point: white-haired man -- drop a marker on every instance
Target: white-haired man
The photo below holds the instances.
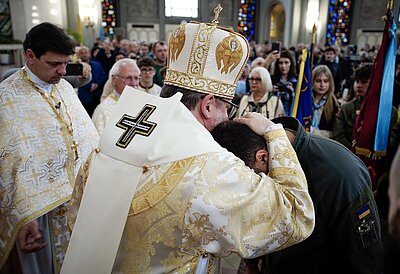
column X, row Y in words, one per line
column 123, row 73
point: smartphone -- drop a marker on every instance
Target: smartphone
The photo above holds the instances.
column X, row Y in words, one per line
column 276, row 46
column 74, row 69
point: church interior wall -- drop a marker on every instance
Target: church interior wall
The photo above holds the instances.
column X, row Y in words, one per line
column 145, row 20
column 26, row 13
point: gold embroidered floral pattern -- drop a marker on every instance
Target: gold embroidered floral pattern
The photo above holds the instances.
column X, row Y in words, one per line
column 200, row 47
column 199, row 84
column 60, row 235
column 199, row 230
column 178, row 259
column 284, row 153
column 218, row 206
column 283, row 171
column 176, row 43
column 157, row 231
column 161, row 189
column 228, row 54
column 274, row 134
column 80, row 184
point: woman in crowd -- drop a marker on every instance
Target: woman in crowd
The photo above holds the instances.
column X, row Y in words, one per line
column 261, row 98
column 285, row 80
column 325, row 105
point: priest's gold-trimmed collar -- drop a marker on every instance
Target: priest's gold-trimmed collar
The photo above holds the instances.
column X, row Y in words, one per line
column 37, row 81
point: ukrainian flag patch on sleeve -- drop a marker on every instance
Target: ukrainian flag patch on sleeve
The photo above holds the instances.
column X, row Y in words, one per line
column 363, row 212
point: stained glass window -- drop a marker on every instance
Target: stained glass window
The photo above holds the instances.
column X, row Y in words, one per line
column 246, row 18
column 338, row 27
column 5, row 20
column 109, row 16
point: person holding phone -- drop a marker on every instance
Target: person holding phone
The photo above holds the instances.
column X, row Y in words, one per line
column 276, row 46
column 273, row 55
column 81, row 77
column 284, row 80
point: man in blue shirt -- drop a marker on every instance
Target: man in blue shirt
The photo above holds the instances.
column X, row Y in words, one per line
column 90, row 94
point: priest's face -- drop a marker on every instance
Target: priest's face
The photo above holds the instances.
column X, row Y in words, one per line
column 50, row 67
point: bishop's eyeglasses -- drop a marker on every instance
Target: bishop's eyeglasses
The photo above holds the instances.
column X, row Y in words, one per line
column 232, row 109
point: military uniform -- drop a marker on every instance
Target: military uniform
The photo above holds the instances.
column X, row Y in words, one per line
column 346, row 118
column 347, row 234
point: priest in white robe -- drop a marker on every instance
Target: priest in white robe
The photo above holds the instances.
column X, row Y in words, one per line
column 45, row 135
column 123, row 73
column 161, row 196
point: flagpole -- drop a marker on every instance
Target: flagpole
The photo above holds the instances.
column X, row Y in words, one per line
column 371, row 132
column 390, row 5
column 313, row 41
column 389, row 9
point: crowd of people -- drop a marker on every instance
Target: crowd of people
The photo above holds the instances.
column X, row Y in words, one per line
column 161, row 161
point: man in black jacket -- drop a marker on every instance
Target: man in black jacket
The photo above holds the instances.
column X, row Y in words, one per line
column 347, row 234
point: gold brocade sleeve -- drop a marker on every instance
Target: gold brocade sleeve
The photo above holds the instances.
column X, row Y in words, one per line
column 79, row 187
column 235, row 210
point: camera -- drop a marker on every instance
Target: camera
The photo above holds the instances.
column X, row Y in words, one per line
column 74, row 69
column 276, row 46
column 281, row 87
column 282, row 90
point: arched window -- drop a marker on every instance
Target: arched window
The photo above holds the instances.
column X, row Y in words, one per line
column 182, row 8
column 272, row 29
column 277, row 23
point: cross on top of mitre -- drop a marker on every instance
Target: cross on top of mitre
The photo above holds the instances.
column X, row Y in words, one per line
column 217, row 11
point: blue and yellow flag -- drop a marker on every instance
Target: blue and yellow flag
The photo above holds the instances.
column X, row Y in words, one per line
column 386, row 96
column 371, row 130
column 302, row 103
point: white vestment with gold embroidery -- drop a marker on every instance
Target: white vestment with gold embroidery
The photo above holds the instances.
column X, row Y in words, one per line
column 103, row 111
column 154, row 89
column 37, row 164
column 192, row 198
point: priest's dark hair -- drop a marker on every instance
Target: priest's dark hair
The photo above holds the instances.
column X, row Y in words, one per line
column 47, row 37
column 239, row 139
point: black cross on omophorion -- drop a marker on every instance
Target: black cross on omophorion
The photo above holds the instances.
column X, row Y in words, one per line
column 136, row 125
